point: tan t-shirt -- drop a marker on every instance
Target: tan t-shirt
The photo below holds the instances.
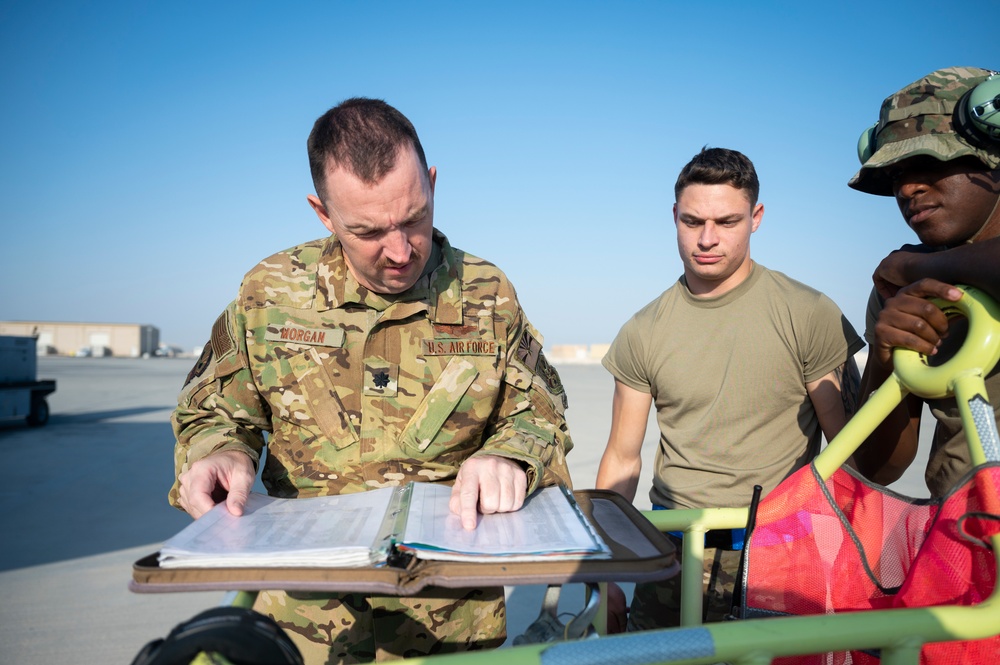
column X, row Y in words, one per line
column 727, row 376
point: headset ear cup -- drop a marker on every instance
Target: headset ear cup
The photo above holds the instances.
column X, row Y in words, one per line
column 977, row 114
column 984, row 107
column 866, row 144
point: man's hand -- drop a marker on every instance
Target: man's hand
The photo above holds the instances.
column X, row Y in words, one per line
column 490, row 483
column 224, row 476
column 898, row 269
column 911, row 321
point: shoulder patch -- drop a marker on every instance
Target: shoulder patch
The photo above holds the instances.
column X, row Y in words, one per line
column 528, row 351
column 204, row 360
column 222, row 342
column 551, row 378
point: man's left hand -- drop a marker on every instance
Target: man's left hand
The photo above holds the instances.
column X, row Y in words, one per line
column 487, row 484
column 899, row 269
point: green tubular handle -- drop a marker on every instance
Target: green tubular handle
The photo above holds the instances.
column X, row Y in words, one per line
column 978, row 354
column 961, row 375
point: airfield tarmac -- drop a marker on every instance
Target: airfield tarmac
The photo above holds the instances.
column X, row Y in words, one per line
column 85, row 496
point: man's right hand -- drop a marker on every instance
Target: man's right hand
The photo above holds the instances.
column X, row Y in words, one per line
column 909, row 320
column 223, row 476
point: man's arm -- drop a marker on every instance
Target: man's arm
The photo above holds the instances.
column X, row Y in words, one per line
column 619, row 470
column 892, row 446
column 908, row 320
column 622, row 459
column 906, row 279
column 525, row 445
column 219, row 423
column 975, row 264
column 835, row 397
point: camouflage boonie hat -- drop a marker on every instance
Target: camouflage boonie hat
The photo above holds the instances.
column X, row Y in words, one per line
column 920, row 120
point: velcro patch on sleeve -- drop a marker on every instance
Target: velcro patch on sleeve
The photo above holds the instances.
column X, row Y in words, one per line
column 529, row 355
column 204, row 360
column 551, row 378
column 528, row 351
column 222, row 342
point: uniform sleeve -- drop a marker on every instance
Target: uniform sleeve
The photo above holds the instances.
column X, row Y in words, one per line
column 625, row 357
column 219, row 407
column 833, row 340
column 528, row 423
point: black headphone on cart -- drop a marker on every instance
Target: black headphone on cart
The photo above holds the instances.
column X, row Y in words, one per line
column 976, row 118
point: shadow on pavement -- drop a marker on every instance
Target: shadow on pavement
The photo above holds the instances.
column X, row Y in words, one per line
column 90, row 417
column 82, row 485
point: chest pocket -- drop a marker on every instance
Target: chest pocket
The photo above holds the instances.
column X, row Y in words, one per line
column 439, row 403
column 320, row 400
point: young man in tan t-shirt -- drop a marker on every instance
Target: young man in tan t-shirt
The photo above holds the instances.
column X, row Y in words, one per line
column 747, row 368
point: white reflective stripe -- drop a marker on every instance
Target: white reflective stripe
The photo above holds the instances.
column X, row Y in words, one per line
column 986, row 427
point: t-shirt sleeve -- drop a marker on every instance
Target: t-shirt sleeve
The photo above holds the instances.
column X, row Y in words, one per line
column 833, row 340
column 875, row 305
column 625, row 357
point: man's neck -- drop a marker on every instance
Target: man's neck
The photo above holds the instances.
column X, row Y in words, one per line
column 702, row 288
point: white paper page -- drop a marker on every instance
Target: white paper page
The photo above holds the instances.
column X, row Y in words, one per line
column 546, row 526
column 332, row 531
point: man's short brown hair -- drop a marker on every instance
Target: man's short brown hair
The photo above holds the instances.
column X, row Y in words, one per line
column 720, row 166
column 363, row 136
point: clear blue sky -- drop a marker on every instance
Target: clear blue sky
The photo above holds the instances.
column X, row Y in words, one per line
column 152, row 152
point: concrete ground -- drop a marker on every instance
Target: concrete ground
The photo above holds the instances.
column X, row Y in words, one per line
column 85, row 496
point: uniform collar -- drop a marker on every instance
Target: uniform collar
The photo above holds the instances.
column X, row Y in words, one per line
column 439, row 290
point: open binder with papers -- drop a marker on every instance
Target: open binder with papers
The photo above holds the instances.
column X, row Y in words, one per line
column 368, row 528
column 399, row 540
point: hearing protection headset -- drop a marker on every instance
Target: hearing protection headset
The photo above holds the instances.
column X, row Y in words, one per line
column 976, row 119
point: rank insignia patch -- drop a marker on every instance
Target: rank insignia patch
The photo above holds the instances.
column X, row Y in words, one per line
column 381, row 378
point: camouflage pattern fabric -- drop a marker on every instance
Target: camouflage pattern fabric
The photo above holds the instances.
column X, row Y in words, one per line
column 354, row 628
column 658, row 604
column 921, row 119
column 358, row 391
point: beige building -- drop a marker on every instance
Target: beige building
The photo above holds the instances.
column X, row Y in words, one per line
column 576, row 353
column 130, row 340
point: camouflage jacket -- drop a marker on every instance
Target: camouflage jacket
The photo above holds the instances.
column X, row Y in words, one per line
column 358, row 391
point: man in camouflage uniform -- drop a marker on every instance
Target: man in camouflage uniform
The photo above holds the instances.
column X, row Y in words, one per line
column 942, row 165
column 376, row 356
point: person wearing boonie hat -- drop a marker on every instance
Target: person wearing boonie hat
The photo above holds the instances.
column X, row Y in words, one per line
column 936, row 149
